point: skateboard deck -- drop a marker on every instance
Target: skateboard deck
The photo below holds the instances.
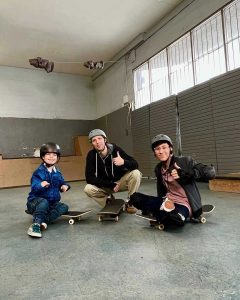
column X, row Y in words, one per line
column 111, row 210
column 153, row 221
column 206, row 209
column 74, row 216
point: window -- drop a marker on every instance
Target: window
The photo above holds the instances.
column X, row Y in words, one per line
column 141, row 86
column 180, row 64
column 194, row 58
column 159, row 81
column 231, row 15
column 208, row 49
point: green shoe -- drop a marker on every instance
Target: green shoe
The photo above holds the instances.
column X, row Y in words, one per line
column 34, row 230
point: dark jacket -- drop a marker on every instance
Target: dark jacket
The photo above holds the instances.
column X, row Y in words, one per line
column 102, row 172
column 52, row 193
column 190, row 172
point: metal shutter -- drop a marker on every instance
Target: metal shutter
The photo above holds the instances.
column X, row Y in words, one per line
column 141, row 139
column 196, row 124
column 163, row 119
column 226, row 112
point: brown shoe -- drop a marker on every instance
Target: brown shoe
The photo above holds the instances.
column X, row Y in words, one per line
column 131, row 209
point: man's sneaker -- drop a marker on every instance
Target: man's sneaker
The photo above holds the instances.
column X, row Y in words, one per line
column 43, row 226
column 130, row 209
column 34, row 230
column 167, row 205
column 177, row 218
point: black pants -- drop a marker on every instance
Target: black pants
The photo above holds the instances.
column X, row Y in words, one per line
column 151, row 205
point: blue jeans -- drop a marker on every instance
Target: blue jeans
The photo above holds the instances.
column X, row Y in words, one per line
column 44, row 211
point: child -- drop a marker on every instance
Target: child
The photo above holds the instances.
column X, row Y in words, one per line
column 46, row 184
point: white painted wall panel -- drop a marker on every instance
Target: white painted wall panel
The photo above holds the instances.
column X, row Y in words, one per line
column 36, row 94
column 110, row 88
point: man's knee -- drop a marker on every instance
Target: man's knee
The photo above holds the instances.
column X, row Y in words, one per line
column 136, row 174
column 89, row 189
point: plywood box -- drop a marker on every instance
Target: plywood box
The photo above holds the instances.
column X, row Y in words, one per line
column 226, row 183
column 18, row 171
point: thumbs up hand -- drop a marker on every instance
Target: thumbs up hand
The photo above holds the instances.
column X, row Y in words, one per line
column 118, row 161
column 174, row 172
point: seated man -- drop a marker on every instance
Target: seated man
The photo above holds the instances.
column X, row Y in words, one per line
column 178, row 195
column 109, row 170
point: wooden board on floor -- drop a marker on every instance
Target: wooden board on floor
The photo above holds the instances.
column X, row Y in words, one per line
column 226, row 183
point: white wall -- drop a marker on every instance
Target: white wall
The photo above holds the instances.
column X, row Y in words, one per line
column 26, row 93
column 110, row 88
column 114, row 83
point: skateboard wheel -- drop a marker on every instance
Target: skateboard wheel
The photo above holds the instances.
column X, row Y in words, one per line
column 100, row 218
column 160, row 227
column 116, row 219
column 71, row 222
column 203, row 220
column 79, row 218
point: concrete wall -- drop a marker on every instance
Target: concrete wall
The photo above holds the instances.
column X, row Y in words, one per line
column 19, row 136
column 37, row 107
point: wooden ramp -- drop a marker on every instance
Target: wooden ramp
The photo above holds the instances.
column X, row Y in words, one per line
column 226, row 183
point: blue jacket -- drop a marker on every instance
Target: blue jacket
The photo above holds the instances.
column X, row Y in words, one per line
column 51, row 193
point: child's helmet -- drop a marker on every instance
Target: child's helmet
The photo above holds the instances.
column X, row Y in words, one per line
column 96, row 132
column 161, row 138
column 50, row 148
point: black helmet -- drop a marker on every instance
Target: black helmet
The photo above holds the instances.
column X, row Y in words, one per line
column 50, row 148
column 161, row 138
column 96, row 132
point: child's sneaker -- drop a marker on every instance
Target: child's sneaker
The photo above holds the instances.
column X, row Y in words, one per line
column 167, row 205
column 43, row 226
column 34, row 230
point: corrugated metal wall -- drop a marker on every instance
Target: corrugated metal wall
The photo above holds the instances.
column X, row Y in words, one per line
column 197, row 124
column 225, row 91
column 163, row 120
column 117, row 126
column 141, row 139
column 209, row 124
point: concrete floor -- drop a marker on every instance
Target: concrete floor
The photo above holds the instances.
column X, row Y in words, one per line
column 124, row 260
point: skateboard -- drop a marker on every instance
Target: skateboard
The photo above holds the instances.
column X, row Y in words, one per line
column 72, row 215
column 152, row 220
column 206, row 209
column 111, row 210
column 75, row 215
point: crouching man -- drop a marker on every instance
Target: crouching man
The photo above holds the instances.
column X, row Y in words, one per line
column 109, row 170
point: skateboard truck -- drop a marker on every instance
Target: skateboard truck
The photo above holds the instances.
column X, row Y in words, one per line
column 111, row 210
